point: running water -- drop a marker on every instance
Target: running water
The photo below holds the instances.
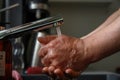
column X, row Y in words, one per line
column 58, row 31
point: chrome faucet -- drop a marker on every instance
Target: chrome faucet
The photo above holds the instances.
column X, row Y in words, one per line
column 33, row 26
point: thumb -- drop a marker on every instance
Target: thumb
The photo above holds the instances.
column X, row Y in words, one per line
column 46, row 39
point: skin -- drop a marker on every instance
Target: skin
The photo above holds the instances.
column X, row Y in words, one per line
column 70, row 55
column 58, row 56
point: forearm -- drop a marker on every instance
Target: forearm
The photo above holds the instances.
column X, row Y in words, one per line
column 103, row 43
column 108, row 21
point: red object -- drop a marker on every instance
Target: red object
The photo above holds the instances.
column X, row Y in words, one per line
column 16, row 75
column 34, row 70
column 5, row 59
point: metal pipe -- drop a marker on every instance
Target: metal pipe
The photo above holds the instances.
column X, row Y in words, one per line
column 36, row 26
column 10, row 7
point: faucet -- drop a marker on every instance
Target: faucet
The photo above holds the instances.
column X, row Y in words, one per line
column 32, row 26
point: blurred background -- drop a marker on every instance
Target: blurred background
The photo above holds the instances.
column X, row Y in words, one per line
column 80, row 18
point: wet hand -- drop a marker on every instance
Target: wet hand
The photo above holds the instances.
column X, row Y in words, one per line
column 65, row 54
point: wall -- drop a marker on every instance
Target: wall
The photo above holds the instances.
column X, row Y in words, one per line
column 82, row 18
column 0, row 8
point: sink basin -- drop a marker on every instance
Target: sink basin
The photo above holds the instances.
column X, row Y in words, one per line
column 35, row 77
column 83, row 76
column 99, row 76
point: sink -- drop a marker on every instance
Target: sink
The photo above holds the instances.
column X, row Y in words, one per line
column 35, row 77
column 83, row 76
column 99, row 76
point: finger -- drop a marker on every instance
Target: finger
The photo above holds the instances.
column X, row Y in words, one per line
column 43, row 51
column 46, row 61
column 47, row 39
column 51, row 70
column 45, row 70
column 72, row 73
column 59, row 73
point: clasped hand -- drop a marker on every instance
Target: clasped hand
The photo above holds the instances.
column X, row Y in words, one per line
column 63, row 55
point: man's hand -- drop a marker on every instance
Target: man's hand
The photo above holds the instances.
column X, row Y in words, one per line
column 63, row 54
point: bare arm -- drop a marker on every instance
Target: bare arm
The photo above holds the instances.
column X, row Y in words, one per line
column 108, row 21
column 105, row 42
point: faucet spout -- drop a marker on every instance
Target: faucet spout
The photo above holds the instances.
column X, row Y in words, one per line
column 38, row 25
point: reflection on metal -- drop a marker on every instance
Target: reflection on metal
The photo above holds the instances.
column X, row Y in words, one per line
column 34, row 42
